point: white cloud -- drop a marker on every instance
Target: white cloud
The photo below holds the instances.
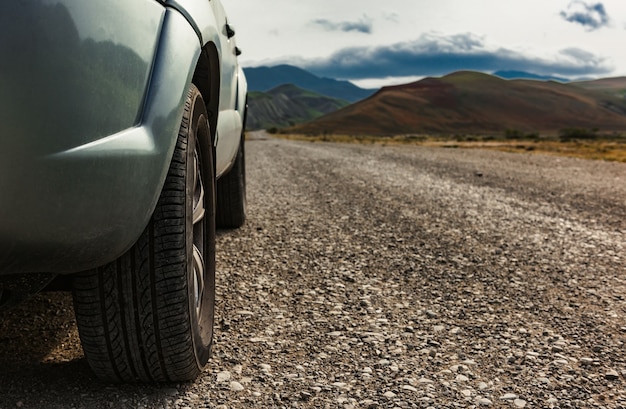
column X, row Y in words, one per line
column 533, row 29
column 592, row 16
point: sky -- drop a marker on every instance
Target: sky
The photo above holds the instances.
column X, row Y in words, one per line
column 382, row 42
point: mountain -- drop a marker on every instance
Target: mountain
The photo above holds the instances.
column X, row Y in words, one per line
column 511, row 75
column 287, row 105
column 614, row 86
column 266, row 78
column 471, row 102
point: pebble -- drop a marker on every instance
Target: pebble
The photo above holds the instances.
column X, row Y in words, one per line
column 236, row 386
column 612, row 375
column 368, row 403
column 170, row 391
column 519, row 403
column 484, row 402
column 508, row 396
column 389, row 395
column 223, row 376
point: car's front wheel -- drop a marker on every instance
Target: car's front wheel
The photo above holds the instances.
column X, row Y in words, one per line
column 148, row 316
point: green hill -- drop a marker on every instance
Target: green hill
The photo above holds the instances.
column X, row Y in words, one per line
column 288, row 105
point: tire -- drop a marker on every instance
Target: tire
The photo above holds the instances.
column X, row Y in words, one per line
column 231, row 193
column 148, row 316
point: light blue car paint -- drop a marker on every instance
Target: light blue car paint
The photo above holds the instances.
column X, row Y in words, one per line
column 84, row 149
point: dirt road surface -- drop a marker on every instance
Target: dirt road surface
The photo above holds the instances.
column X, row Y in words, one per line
column 386, row 277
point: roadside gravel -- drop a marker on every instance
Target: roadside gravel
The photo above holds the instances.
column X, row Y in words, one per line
column 386, row 277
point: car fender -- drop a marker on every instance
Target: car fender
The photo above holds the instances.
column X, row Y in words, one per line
column 242, row 95
column 105, row 189
column 201, row 16
column 233, row 123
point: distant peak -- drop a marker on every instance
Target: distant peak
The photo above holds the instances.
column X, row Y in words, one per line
column 511, row 74
column 470, row 75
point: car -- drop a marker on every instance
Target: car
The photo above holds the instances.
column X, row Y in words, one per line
column 121, row 151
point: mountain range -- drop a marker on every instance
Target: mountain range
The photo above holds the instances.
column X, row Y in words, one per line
column 475, row 103
column 264, row 79
column 285, row 95
column 464, row 102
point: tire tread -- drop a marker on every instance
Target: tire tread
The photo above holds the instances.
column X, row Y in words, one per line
column 133, row 314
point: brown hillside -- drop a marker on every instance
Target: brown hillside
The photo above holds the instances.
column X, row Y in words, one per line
column 604, row 83
column 470, row 102
column 615, row 86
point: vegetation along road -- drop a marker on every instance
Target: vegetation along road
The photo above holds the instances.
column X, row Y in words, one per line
column 387, row 277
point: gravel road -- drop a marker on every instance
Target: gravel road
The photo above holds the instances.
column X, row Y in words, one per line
column 386, row 277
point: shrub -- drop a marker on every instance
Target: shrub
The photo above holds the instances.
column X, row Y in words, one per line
column 513, row 134
column 568, row 134
column 517, row 134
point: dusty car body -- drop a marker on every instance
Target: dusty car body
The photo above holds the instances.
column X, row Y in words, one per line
column 98, row 102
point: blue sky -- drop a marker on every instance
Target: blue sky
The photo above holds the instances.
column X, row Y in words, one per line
column 374, row 42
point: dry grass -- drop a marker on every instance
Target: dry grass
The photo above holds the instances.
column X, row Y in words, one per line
column 610, row 148
column 597, row 149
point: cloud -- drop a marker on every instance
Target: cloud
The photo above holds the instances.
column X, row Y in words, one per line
column 591, row 16
column 364, row 25
column 393, row 17
column 433, row 54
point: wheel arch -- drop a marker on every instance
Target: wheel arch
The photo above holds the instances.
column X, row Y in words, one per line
column 206, row 78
